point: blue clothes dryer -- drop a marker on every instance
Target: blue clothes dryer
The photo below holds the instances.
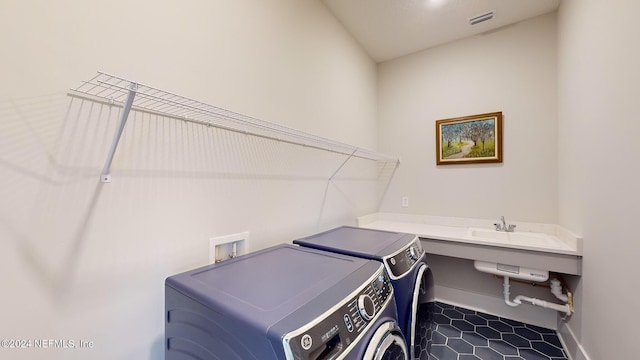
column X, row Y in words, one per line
column 405, row 262
column 283, row 303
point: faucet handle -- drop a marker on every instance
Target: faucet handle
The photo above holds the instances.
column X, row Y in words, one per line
column 498, row 226
column 511, row 227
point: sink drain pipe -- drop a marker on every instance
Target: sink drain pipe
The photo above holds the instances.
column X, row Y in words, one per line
column 566, row 308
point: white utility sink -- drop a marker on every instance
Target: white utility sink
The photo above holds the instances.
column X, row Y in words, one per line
column 516, row 238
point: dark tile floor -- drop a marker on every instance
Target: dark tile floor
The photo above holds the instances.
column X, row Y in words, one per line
column 461, row 334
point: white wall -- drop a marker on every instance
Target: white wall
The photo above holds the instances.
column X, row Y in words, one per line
column 598, row 128
column 512, row 70
column 287, row 57
column 83, row 260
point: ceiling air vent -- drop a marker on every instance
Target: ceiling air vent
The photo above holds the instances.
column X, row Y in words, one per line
column 481, row 18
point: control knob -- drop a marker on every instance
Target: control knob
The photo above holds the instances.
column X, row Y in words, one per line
column 366, row 307
column 414, row 252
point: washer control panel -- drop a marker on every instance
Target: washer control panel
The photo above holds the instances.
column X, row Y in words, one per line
column 342, row 327
column 400, row 263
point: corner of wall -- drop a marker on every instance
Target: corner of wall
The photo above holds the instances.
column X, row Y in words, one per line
column 570, row 342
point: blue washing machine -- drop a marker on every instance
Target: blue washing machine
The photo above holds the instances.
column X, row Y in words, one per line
column 283, row 303
column 405, row 261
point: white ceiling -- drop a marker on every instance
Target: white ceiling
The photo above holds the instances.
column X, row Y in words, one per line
column 389, row 29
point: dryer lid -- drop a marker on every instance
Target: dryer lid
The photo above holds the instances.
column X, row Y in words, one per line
column 263, row 287
column 368, row 243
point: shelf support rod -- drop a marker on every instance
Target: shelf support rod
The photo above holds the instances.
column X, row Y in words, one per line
column 343, row 164
column 105, row 177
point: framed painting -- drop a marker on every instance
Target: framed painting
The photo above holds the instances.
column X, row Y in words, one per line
column 469, row 139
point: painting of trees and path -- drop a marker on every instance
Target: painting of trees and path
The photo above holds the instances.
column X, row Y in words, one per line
column 469, row 139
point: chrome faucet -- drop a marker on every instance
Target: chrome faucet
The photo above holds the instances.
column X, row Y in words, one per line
column 504, row 226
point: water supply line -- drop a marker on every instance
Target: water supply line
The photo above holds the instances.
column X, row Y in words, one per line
column 234, row 250
column 566, row 308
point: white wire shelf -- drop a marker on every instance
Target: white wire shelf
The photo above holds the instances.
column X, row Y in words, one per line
column 119, row 91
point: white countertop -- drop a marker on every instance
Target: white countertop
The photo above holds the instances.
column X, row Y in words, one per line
column 560, row 241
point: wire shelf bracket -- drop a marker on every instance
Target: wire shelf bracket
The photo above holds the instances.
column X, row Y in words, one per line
column 131, row 95
column 105, row 176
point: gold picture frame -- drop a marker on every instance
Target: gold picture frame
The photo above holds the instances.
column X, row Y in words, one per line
column 469, row 139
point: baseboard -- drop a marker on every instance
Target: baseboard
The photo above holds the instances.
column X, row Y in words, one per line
column 570, row 342
column 525, row 313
